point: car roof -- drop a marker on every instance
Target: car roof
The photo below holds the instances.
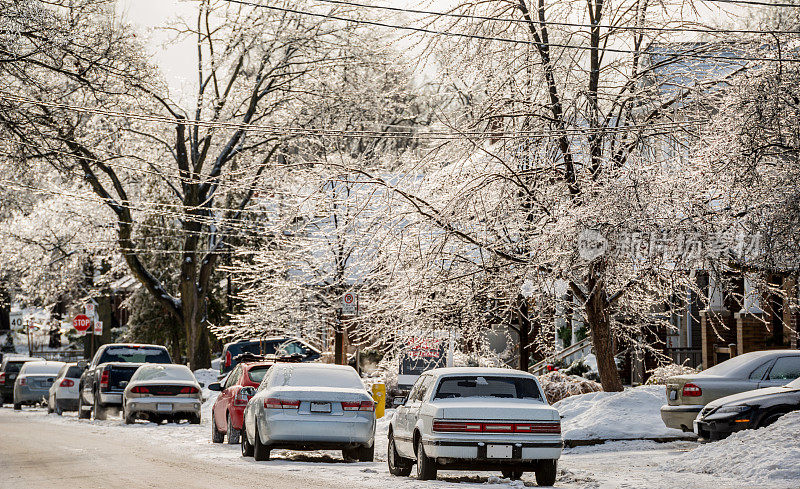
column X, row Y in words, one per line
column 258, row 340
column 313, row 365
column 109, row 345
column 477, row 371
column 249, row 365
column 9, row 359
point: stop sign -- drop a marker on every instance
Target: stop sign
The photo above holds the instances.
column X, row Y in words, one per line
column 81, row 323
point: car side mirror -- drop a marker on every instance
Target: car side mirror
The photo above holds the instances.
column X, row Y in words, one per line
column 215, row 386
column 83, row 364
column 398, row 401
column 248, row 391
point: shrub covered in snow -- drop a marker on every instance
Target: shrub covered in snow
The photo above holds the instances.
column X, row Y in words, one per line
column 660, row 375
column 632, row 414
column 764, row 455
column 558, row 385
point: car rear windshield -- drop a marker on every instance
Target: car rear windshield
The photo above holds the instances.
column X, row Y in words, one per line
column 735, row 363
column 74, row 372
column 42, row 368
column 488, row 386
column 319, row 377
column 163, row 372
column 135, row 354
column 13, row 367
column 257, row 374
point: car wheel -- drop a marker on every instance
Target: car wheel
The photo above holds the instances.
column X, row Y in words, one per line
column 366, row 454
column 512, row 474
column 17, row 406
column 129, row 418
column 546, row 472
column 247, row 448
column 769, row 419
column 194, row 419
column 397, row 464
column 49, row 408
column 98, row 412
column 58, row 409
column 260, row 451
column 426, row 466
column 83, row 413
column 216, row 435
column 233, row 433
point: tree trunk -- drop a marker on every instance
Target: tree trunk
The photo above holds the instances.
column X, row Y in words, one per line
column 524, row 323
column 597, row 315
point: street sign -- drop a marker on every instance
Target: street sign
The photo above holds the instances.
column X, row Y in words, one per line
column 98, row 328
column 350, row 304
column 16, row 321
column 81, row 323
column 89, row 308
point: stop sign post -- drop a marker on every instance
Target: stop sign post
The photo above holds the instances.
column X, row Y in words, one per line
column 81, row 323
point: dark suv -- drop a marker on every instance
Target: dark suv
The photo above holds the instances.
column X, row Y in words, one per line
column 9, row 369
column 275, row 346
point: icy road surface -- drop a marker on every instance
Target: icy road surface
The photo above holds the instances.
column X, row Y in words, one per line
column 47, row 451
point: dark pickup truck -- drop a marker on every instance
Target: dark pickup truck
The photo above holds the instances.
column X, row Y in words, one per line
column 104, row 380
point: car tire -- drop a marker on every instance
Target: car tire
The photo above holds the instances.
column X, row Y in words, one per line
column 83, row 413
column 129, row 418
column 49, row 408
column 216, row 435
column 260, row 451
column 193, row 419
column 769, row 419
column 397, row 464
column 546, row 472
column 233, row 433
column 247, row 448
column 17, row 406
column 98, row 411
column 426, row 466
column 513, row 474
column 58, row 410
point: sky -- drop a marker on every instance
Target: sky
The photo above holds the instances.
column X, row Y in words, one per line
column 178, row 68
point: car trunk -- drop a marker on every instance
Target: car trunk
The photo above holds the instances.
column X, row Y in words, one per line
column 494, row 409
column 40, row 381
column 167, row 388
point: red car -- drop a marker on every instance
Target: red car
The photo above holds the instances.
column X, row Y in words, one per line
column 235, row 390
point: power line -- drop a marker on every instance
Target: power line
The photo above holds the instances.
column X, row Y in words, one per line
column 683, row 54
column 708, row 30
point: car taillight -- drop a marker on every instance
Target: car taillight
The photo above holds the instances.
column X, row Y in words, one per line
column 104, row 378
column 228, row 359
column 2, row 378
column 66, row 383
column 23, row 381
column 189, row 390
column 274, row 403
column 140, row 390
column 470, row 427
column 691, row 390
column 358, row 406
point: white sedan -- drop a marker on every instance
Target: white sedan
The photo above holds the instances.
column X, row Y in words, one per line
column 476, row 419
column 63, row 394
column 310, row 406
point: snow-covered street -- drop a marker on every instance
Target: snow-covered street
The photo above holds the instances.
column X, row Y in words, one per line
column 111, row 454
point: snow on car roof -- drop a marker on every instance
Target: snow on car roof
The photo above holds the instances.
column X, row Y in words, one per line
column 477, row 371
column 41, row 367
column 317, row 374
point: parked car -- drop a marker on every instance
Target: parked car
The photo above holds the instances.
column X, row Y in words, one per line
column 162, row 393
column 235, row 390
column 305, row 406
column 277, row 346
column 747, row 410
column 688, row 394
column 476, row 419
column 8, row 375
column 63, row 394
column 104, row 380
column 33, row 382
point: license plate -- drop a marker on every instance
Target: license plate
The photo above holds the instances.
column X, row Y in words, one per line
column 320, row 407
column 499, row 451
column 164, row 407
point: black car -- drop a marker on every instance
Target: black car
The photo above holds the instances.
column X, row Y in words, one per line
column 276, row 346
column 747, row 410
column 9, row 369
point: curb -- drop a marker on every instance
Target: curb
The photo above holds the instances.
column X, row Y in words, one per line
column 586, row 443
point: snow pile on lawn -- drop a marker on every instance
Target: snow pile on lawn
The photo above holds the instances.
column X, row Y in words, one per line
column 660, row 375
column 557, row 386
column 762, row 455
column 632, row 414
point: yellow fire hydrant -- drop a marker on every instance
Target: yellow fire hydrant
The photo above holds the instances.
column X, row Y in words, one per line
column 379, row 396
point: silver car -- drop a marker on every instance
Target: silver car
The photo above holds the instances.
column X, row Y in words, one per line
column 308, row 406
column 688, row 394
column 33, row 382
column 63, row 395
column 162, row 392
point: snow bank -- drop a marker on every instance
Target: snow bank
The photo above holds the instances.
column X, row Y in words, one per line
column 764, row 455
column 632, row 414
column 557, row 385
